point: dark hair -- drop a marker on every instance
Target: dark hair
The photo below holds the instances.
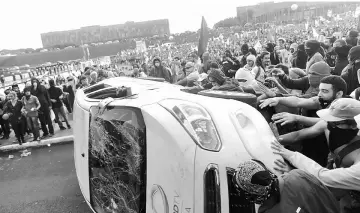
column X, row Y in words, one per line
column 7, row 91
column 252, row 51
column 27, row 89
column 331, row 39
column 258, row 62
column 259, row 59
column 284, row 68
column 337, row 82
column 51, row 82
column 214, row 65
column 342, row 51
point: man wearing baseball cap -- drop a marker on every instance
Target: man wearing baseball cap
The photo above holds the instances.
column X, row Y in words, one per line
column 341, row 130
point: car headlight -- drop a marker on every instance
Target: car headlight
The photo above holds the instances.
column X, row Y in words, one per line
column 196, row 121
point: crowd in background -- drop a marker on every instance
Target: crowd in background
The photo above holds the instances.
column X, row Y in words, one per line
column 308, row 91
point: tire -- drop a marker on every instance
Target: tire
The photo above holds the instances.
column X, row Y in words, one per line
column 238, row 96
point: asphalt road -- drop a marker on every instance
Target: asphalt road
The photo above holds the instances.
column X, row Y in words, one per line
column 44, row 182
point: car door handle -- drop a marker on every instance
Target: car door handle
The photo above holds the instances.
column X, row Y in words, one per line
column 83, row 154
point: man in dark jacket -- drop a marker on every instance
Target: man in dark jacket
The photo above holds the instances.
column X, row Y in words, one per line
column 159, row 71
column 5, row 125
column 44, row 113
column 56, row 95
column 341, row 59
column 351, row 38
column 206, row 63
column 330, row 52
column 349, row 74
column 274, row 57
column 230, row 64
column 245, row 52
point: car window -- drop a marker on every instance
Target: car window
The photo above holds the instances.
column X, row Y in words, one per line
column 117, row 160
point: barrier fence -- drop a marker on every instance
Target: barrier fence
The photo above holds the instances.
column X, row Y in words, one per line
column 22, row 78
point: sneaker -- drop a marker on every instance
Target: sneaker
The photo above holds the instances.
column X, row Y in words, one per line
column 69, row 127
column 5, row 137
column 62, row 128
column 36, row 140
column 44, row 136
column 51, row 135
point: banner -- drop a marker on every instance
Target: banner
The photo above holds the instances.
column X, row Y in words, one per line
column 141, row 46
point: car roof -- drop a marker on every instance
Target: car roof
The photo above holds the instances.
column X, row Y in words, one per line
column 149, row 92
column 138, row 84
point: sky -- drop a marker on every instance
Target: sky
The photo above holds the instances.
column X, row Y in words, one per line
column 24, row 20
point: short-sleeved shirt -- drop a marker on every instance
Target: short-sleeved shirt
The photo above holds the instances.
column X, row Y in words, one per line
column 32, row 102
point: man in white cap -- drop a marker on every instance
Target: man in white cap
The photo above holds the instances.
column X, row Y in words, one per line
column 342, row 133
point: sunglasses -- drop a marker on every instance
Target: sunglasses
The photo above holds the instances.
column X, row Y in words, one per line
column 188, row 68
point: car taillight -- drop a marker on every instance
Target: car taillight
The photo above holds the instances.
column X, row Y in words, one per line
column 196, row 121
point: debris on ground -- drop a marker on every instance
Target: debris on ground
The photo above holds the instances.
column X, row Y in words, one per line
column 11, row 156
column 25, row 153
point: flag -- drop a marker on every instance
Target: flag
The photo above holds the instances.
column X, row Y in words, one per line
column 169, row 56
column 204, row 37
column 270, row 37
column 83, row 49
column 88, row 53
column 315, row 34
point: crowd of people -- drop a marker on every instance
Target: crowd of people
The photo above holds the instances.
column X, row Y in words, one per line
column 43, row 101
column 307, row 89
column 309, row 94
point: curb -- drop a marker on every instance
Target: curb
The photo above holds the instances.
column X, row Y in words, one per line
column 57, row 140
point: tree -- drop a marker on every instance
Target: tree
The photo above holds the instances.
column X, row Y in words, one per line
column 229, row 22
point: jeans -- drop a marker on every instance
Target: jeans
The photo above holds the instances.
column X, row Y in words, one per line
column 60, row 111
column 33, row 124
column 18, row 127
column 45, row 119
column 5, row 126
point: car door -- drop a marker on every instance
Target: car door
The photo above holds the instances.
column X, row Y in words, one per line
column 117, row 159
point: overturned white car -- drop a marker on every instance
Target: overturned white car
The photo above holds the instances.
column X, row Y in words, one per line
column 145, row 146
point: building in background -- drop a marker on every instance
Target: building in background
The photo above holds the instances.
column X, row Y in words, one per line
column 97, row 34
column 282, row 12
